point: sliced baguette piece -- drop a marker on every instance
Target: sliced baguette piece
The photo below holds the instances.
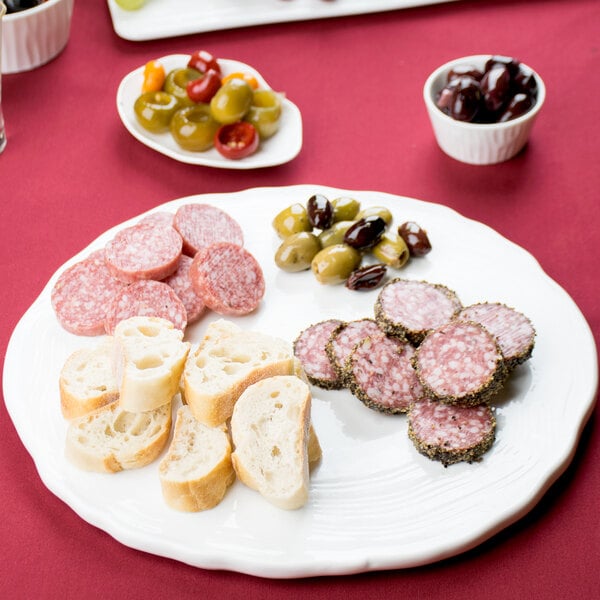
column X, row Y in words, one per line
column 111, row 439
column 197, row 470
column 225, row 363
column 270, row 432
column 87, row 381
column 149, row 360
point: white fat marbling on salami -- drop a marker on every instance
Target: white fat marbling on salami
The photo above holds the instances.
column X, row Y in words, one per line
column 201, row 225
column 310, row 349
column 417, row 306
column 146, row 299
column 82, row 294
column 143, row 251
column 382, row 375
column 458, row 359
column 450, row 428
column 348, row 335
column 181, row 282
column 228, row 279
column 513, row 330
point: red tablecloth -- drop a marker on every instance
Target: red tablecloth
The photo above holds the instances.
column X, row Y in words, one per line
column 71, row 171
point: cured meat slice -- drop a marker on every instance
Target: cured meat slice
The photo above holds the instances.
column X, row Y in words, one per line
column 513, row 330
column 146, row 299
column 161, row 218
column 345, row 338
column 381, row 374
column 82, row 294
column 451, row 434
column 228, row 279
column 143, row 251
column 310, row 348
column 411, row 309
column 181, row 282
column 202, row 225
column 460, row 363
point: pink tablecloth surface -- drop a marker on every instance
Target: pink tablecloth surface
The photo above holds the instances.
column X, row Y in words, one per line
column 71, row 171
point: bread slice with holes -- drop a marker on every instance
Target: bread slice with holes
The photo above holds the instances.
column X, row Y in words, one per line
column 270, row 432
column 111, row 439
column 197, row 470
column 87, row 381
column 150, row 356
column 227, row 360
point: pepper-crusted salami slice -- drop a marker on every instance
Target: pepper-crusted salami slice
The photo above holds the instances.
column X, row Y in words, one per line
column 344, row 339
column 228, row 279
column 513, row 330
column 451, row 434
column 460, row 363
column 310, row 349
column 146, row 299
column 201, row 225
column 143, row 251
column 410, row 309
column 381, row 374
column 81, row 295
column 181, row 282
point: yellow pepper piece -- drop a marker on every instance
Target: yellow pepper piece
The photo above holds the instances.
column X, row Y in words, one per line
column 247, row 77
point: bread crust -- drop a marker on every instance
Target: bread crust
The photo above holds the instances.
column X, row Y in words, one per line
column 205, row 489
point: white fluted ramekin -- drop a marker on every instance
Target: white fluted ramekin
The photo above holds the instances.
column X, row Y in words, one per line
column 33, row 37
column 478, row 143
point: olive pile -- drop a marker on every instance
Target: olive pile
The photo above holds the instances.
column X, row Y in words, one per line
column 333, row 237
column 501, row 92
column 203, row 109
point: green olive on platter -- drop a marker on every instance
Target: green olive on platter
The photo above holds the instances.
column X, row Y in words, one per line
column 391, row 250
column 375, row 211
column 297, row 251
column 334, row 264
column 292, row 219
column 194, row 128
column 345, row 208
column 176, row 83
column 265, row 112
column 232, row 101
column 154, row 110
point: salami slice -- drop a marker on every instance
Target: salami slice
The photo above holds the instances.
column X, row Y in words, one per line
column 143, row 251
column 310, row 349
column 460, row 363
column 381, row 374
column 202, row 225
column 181, row 282
column 82, row 294
column 228, row 279
column 344, row 339
column 411, row 309
column 161, row 218
column 451, row 434
column 146, row 299
column 513, row 330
